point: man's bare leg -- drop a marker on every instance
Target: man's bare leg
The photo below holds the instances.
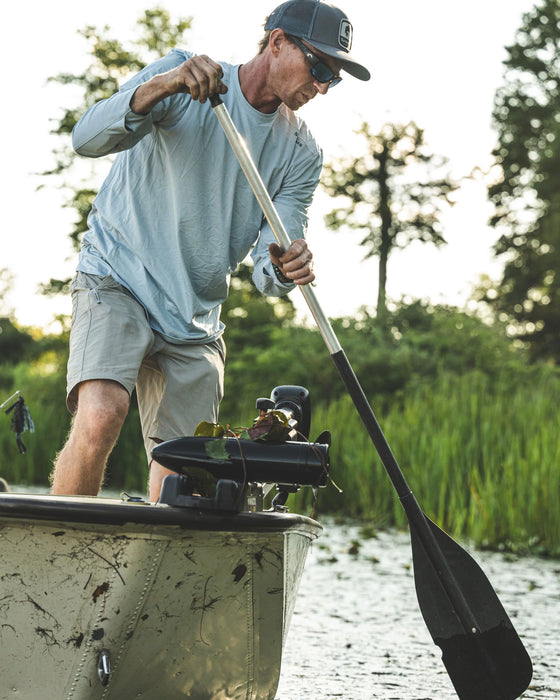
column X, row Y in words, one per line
column 157, row 475
column 79, row 467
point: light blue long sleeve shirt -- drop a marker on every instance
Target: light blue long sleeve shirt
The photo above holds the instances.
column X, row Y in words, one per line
column 175, row 215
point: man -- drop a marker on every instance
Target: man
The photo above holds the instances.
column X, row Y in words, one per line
column 175, row 217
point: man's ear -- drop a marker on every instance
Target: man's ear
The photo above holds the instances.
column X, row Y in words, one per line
column 276, row 41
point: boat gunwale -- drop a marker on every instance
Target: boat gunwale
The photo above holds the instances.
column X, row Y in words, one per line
column 111, row 511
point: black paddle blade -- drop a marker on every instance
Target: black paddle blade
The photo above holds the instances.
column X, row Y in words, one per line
column 481, row 650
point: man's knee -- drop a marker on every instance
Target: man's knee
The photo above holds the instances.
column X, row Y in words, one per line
column 102, row 408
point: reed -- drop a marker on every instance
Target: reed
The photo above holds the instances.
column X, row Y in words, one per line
column 481, row 455
column 43, row 391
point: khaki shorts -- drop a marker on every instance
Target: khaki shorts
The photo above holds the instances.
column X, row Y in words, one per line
column 177, row 385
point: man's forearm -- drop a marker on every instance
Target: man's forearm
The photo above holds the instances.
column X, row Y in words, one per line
column 147, row 95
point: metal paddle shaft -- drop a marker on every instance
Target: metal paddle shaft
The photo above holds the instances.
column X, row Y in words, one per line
column 481, row 650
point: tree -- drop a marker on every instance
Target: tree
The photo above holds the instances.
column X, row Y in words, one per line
column 249, row 316
column 112, row 62
column 18, row 344
column 526, row 193
column 394, row 194
column 15, row 344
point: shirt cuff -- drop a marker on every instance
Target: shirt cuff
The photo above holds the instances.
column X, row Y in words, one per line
column 279, row 276
column 135, row 122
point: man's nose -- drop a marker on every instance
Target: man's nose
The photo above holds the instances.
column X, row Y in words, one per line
column 321, row 87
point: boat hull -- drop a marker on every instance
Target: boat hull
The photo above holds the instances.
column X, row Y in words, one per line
column 103, row 599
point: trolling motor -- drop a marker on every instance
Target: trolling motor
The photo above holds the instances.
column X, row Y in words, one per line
column 274, row 451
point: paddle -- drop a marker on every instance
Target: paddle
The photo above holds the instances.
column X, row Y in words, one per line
column 481, row 650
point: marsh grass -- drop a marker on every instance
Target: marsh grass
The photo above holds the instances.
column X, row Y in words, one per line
column 44, row 396
column 481, row 456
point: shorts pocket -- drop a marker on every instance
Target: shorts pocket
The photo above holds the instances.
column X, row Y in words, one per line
column 84, row 281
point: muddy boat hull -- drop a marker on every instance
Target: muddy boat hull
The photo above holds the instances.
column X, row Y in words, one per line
column 104, row 599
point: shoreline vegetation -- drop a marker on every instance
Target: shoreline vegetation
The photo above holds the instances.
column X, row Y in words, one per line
column 480, row 453
column 481, row 456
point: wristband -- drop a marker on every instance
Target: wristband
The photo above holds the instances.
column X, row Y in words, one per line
column 281, row 278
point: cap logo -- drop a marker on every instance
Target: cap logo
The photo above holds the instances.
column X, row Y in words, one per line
column 345, row 34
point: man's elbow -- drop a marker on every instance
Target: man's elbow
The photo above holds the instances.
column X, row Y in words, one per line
column 79, row 145
column 86, row 147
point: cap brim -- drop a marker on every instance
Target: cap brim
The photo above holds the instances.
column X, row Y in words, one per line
column 349, row 64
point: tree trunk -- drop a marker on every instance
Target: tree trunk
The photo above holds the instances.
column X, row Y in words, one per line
column 385, row 247
column 381, row 293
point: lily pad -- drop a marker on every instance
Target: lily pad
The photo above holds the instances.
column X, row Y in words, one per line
column 206, row 429
column 273, row 426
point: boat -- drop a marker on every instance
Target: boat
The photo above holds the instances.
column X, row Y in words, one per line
column 190, row 597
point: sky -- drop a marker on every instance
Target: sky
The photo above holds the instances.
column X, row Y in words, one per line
column 437, row 62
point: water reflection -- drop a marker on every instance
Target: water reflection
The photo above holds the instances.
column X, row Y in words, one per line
column 357, row 631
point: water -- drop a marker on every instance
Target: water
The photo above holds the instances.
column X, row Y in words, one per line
column 357, row 631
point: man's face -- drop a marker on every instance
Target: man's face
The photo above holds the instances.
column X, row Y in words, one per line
column 295, row 83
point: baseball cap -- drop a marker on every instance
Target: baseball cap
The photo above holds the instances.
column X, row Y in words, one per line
column 323, row 26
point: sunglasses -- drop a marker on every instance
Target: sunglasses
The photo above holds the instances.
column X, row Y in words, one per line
column 319, row 70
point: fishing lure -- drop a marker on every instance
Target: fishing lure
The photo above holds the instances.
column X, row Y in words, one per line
column 21, row 420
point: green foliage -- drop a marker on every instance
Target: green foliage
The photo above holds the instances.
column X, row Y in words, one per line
column 472, row 424
column 480, row 454
column 393, row 193
column 159, row 33
column 23, row 345
column 250, row 317
column 415, row 340
column 526, row 196
column 14, row 343
column 43, row 386
column 41, row 383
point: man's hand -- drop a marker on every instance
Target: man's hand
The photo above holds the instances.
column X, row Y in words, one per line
column 200, row 76
column 296, row 263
